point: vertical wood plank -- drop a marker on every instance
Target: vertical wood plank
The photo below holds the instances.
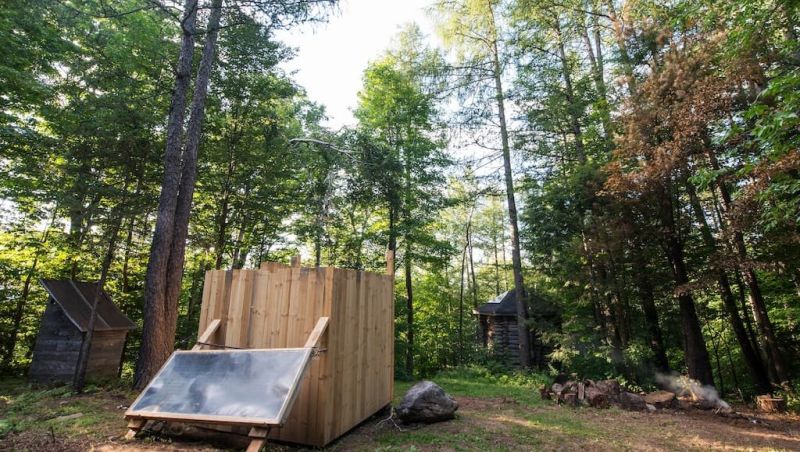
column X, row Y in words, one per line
column 208, row 287
column 362, row 347
column 239, row 310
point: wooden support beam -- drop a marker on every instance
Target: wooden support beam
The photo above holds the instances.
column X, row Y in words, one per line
column 206, row 336
column 390, row 262
column 258, row 439
column 316, row 333
column 296, row 261
column 134, row 425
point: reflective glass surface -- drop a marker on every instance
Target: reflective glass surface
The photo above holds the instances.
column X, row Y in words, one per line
column 237, row 383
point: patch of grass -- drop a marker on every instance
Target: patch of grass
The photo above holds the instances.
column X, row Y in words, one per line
column 25, row 408
column 479, row 382
column 458, row 438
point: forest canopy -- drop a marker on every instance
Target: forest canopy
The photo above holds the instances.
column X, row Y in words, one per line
column 629, row 169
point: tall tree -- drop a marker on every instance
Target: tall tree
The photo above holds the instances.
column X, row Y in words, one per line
column 165, row 268
column 472, row 29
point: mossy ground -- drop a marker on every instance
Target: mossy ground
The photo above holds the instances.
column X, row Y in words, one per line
column 496, row 413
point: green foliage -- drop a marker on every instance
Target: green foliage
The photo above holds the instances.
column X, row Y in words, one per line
column 30, row 409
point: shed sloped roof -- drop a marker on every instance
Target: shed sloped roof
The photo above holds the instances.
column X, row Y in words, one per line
column 504, row 304
column 75, row 299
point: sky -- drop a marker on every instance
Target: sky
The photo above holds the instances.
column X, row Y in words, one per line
column 331, row 57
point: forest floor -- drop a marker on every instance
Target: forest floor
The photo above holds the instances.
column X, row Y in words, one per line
column 492, row 416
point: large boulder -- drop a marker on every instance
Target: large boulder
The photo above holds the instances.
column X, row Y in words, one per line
column 631, row 401
column 426, row 402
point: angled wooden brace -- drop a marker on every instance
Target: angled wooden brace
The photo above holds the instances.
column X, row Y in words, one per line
column 317, row 332
column 210, row 330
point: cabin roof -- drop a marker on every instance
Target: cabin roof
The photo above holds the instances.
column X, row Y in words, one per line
column 503, row 304
column 75, row 298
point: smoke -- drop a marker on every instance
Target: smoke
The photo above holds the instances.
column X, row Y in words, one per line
column 684, row 386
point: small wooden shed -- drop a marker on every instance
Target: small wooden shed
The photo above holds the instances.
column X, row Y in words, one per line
column 277, row 306
column 498, row 332
column 497, row 327
column 64, row 326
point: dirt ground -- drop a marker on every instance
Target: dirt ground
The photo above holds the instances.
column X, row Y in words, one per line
column 485, row 424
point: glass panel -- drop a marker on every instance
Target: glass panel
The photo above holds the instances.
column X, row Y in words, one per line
column 236, row 383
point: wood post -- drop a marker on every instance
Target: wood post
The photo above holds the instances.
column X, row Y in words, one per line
column 389, row 262
column 296, row 261
column 204, row 338
column 134, row 425
column 316, row 333
column 258, row 439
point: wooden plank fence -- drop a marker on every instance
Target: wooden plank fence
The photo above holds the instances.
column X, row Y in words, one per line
column 277, row 306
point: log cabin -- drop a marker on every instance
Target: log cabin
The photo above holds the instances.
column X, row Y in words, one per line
column 499, row 334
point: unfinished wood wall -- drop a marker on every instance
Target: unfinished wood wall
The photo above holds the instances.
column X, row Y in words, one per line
column 277, row 306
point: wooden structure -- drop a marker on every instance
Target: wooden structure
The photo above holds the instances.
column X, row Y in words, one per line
column 203, row 396
column 498, row 331
column 64, row 326
column 497, row 327
column 277, row 306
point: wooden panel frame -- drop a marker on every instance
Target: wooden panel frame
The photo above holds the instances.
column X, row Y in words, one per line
column 218, row 419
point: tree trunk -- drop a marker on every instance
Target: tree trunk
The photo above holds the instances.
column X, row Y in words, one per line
column 645, row 289
column 695, row 351
column 409, row 312
column 496, row 266
column 750, row 355
column 596, row 62
column 516, row 257
column 472, row 266
column 570, row 95
column 222, row 222
column 156, row 343
column 189, row 171
column 19, row 309
column 79, row 379
column 461, row 304
column 755, row 296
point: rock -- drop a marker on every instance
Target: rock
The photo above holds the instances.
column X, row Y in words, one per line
column 570, row 386
column 661, row 399
column 426, row 402
column 68, row 417
column 631, row 401
column 651, row 408
column 596, row 397
column 557, row 388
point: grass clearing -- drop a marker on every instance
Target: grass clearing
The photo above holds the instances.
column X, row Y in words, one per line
column 500, row 413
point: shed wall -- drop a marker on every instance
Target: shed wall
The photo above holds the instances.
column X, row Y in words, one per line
column 278, row 306
column 503, row 338
column 105, row 355
column 58, row 345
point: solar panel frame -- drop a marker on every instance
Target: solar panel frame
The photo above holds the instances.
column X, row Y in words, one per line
column 279, row 420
